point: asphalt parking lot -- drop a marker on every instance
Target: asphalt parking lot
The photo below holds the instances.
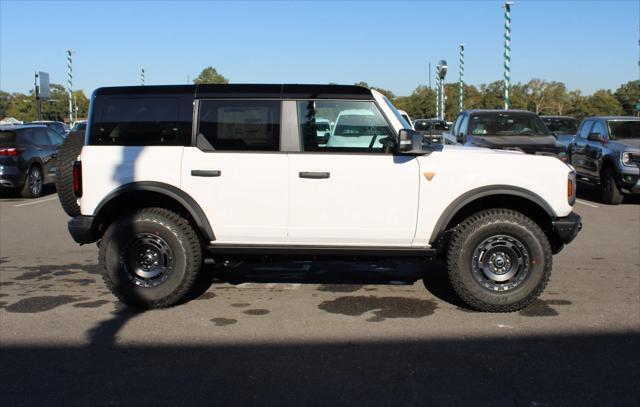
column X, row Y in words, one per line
column 317, row 333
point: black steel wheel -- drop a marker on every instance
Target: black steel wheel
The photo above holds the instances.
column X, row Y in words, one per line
column 150, row 258
column 499, row 260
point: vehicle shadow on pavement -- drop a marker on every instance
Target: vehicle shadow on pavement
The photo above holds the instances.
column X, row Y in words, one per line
column 14, row 195
column 580, row 369
column 336, row 276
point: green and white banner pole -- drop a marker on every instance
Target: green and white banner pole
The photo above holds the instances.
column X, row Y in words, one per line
column 461, row 79
column 70, row 85
column 507, row 52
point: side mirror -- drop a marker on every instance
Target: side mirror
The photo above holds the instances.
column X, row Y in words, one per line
column 460, row 138
column 409, row 142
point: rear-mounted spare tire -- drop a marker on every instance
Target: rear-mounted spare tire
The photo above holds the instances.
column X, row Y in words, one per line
column 67, row 155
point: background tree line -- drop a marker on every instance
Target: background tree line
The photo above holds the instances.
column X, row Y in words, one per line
column 537, row 95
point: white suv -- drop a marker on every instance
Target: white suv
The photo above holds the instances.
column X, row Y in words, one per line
column 170, row 174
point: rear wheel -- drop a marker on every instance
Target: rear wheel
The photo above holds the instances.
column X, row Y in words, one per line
column 32, row 187
column 150, row 258
column 610, row 192
column 499, row 261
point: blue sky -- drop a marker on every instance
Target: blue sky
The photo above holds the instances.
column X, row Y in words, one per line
column 588, row 45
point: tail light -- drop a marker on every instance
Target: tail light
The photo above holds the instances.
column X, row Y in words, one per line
column 77, row 178
column 11, row 152
column 571, row 188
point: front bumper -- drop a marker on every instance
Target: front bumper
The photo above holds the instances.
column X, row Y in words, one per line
column 566, row 228
column 82, row 229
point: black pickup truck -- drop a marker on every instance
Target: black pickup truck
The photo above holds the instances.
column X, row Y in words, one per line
column 606, row 151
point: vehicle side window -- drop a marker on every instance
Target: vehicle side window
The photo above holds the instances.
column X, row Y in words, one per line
column 456, row 124
column 239, row 125
column 56, row 139
column 598, row 128
column 585, row 129
column 356, row 126
column 39, row 137
column 463, row 125
column 137, row 122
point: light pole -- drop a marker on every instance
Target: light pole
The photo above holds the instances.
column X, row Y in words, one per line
column 461, row 79
column 437, row 93
column 70, row 85
column 507, row 52
column 442, row 72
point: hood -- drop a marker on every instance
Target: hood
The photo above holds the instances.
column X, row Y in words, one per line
column 527, row 144
column 630, row 143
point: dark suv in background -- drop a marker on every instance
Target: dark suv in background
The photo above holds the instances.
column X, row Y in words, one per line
column 28, row 158
column 606, row 151
column 431, row 129
column 518, row 130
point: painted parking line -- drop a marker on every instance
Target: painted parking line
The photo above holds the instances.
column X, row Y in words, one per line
column 36, row 202
column 586, row 203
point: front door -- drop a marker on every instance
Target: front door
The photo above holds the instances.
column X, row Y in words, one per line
column 349, row 190
column 237, row 173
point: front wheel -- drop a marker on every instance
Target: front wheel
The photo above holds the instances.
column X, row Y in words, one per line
column 499, row 261
column 150, row 258
column 610, row 192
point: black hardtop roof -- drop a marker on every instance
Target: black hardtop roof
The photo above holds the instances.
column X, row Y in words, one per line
column 263, row 91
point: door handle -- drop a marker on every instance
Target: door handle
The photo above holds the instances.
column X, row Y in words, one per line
column 206, row 173
column 314, row 175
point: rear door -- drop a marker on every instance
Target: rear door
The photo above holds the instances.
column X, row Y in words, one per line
column 236, row 171
column 351, row 192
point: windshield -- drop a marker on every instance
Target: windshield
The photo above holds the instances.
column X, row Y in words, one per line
column 620, row 129
column 507, row 124
column 405, row 124
column 561, row 125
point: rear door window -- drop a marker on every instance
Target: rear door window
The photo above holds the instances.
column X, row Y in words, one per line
column 137, row 122
column 239, row 125
column 39, row 136
column 7, row 139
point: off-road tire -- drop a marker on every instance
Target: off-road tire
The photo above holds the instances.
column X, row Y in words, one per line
column 481, row 226
column 27, row 191
column 115, row 249
column 67, row 154
column 610, row 192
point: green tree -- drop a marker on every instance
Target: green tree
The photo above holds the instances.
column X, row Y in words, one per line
column 628, row 95
column 5, row 101
column 22, row 107
column 420, row 104
column 210, row 75
column 603, row 103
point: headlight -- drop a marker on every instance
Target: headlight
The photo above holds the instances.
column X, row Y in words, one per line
column 626, row 159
